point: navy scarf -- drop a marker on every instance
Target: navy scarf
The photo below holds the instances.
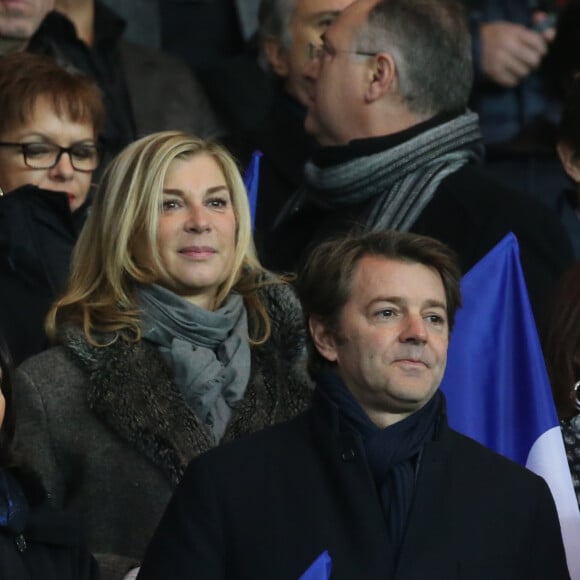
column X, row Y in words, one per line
column 392, row 453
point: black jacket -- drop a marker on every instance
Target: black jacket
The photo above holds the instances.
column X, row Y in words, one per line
column 37, row 236
column 50, row 548
column 267, row 506
column 469, row 212
column 285, row 147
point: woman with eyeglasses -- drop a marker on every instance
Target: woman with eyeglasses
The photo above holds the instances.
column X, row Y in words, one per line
column 171, row 339
column 36, row 543
column 49, row 122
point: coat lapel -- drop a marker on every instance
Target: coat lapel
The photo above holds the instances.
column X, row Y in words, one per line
column 432, row 506
column 131, row 391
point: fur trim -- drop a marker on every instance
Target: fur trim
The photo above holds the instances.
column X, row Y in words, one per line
column 130, row 388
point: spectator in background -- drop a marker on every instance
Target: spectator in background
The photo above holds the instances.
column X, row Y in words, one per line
column 401, row 151
column 561, row 344
column 287, row 27
column 171, row 337
column 144, row 90
column 514, row 93
column 217, row 39
column 19, row 21
column 142, row 18
column 36, row 543
column 48, row 151
column 568, row 200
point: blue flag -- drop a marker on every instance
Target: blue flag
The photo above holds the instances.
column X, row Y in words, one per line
column 497, row 386
column 320, row 568
column 251, row 181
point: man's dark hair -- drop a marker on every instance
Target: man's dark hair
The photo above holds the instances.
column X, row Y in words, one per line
column 569, row 130
column 431, row 44
column 325, row 282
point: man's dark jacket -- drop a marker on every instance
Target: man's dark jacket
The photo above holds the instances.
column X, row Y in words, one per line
column 267, row 506
column 285, row 148
column 469, row 212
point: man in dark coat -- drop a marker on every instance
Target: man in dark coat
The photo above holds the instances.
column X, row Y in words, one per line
column 145, row 90
column 372, row 474
column 400, row 148
column 286, row 27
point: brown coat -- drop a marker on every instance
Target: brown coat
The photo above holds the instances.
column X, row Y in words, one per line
column 111, row 435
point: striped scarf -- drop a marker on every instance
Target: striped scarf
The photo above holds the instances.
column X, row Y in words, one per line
column 402, row 179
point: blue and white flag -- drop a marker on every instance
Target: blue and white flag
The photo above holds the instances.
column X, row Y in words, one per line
column 497, row 386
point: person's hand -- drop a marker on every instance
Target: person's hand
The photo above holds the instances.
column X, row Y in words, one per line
column 510, row 52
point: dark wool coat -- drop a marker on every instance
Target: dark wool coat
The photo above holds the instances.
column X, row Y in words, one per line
column 50, row 548
column 111, row 435
column 267, row 506
column 37, row 236
column 469, row 212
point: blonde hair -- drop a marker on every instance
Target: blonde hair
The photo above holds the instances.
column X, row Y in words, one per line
column 102, row 289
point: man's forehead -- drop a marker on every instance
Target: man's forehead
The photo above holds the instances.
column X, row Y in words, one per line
column 378, row 276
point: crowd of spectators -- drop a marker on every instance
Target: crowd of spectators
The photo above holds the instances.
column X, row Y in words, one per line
column 148, row 304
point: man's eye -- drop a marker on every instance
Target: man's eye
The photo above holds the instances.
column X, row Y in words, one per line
column 435, row 319
column 386, row 313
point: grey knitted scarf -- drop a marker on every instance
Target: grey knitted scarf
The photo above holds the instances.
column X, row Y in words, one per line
column 208, row 351
column 401, row 179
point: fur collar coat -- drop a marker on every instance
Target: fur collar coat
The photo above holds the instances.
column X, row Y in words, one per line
column 111, row 435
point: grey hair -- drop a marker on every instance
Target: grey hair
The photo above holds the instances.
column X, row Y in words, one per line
column 431, row 45
column 274, row 19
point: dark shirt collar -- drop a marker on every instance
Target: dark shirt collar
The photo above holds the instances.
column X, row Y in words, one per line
column 335, row 155
column 109, row 27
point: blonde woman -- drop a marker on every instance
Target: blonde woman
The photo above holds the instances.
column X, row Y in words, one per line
column 171, row 339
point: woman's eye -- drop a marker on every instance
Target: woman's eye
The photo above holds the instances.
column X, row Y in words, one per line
column 217, row 202
column 170, row 204
column 38, row 149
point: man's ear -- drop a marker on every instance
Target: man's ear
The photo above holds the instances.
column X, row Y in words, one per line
column 323, row 339
column 277, row 56
column 382, row 76
column 570, row 160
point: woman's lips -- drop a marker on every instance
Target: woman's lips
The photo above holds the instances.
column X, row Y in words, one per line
column 198, row 252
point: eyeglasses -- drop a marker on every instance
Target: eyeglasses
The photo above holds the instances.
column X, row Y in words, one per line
column 318, row 52
column 84, row 157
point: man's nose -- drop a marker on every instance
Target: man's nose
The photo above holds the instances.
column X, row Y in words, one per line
column 414, row 329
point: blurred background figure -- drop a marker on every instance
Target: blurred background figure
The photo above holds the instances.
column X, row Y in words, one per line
column 48, row 151
column 561, row 344
column 172, row 339
column 514, row 91
column 567, row 202
column 286, row 29
column 217, row 39
column 142, row 19
column 144, row 89
column 35, row 543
